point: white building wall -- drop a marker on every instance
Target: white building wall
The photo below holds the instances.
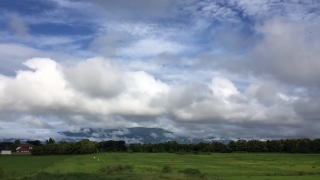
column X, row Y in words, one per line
column 4, row 152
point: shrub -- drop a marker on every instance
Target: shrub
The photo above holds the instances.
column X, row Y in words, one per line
column 166, row 169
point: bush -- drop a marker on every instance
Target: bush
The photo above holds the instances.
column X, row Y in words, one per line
column 166, row 169
column 116, row 169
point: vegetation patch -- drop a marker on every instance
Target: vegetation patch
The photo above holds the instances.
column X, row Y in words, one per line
column 117, row 169
column 193, row 172
column 166, row 169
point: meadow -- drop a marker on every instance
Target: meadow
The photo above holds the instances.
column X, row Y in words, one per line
column 216, row 166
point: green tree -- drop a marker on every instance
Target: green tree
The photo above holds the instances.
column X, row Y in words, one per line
column 303, row 146
column 217, row 146
column 274, row 146
column 241, row 145
column 13, row 147
column 315, row 146
column 17, row 142
column 256, row 146
column 232, row 146
column 289, row 145
column 50, row 141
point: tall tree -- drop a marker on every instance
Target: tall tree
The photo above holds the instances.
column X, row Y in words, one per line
column 17, row 142
column 274, row 146
column 50, row 141
column 232, row 146
column 241, row 145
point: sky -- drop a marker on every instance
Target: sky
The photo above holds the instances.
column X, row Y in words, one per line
column 198, row 68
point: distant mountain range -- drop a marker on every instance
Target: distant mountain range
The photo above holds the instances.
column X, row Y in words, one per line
column 137, row 135
column 131, row 135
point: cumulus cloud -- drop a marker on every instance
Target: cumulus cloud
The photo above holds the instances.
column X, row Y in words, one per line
column 48, row 89
column 96, row 77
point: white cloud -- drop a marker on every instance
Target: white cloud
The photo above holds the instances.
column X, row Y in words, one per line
column 97, row 77
column 275, row 44
column 169, row 135
column 119, row 132
column 154, row 135
column 86, row 130
column 222, row 88
column 47, row 89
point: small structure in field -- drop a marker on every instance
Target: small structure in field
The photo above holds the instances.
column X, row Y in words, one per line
column 5, row 152
column 24, row 148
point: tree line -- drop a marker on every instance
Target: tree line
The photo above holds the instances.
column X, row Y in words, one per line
column 86, row 146
column 252, row 146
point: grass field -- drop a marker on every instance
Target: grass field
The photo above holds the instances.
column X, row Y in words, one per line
column 149, row 166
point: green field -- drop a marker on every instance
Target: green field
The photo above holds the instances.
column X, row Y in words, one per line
column 149, row 166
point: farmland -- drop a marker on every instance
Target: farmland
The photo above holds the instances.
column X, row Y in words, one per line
column 150, row 165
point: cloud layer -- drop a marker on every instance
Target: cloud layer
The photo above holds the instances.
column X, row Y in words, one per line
column 196, row 68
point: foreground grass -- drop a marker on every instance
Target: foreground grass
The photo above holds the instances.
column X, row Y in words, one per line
column 97, row 176
column 150, row 166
